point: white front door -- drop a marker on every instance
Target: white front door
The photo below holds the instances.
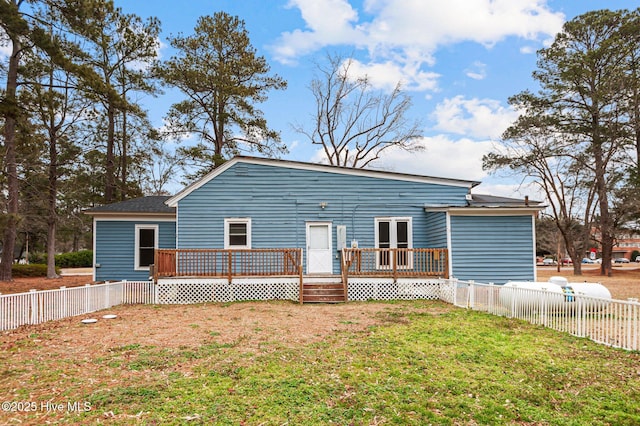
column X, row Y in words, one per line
column 319, row 250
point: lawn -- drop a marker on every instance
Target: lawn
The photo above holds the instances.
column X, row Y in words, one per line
column 419, row 362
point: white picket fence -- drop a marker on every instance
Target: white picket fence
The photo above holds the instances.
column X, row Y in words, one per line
column 37, row 307
column 611, row 322
column 608, row 321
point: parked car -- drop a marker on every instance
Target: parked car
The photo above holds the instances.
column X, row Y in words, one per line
column 548, row 261
column 567, row 261
column 587, row 260
column 637, row 258
column 621, row 260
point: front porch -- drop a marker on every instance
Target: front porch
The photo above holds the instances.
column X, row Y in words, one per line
column 198, row 275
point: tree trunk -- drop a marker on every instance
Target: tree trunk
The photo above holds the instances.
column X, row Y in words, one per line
column 606, row 227
column 109, row 190
column 123, row 160
column 13, row 189
column 52, row 218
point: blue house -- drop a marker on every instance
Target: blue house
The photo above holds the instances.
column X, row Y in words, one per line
column 255, row 203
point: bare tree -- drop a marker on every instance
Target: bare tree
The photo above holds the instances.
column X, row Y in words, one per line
column 556, row 164
column 353, row 122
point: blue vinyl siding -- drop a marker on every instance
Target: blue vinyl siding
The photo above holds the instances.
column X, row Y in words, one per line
column 492, row 248
column 436, row 232
column 280, row 200
column 115, row 248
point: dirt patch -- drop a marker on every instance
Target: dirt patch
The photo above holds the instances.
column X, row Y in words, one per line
column 623, row 284
column 68, row 359
column 248, row 325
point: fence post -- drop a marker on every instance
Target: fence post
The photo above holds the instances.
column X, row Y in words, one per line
column 544, row 308
column 63, row 292
column 580, row 318
column 34, row 306
column 125, row 293
column 87, row 298
column 454, row 290
column 472, row 295
column 490, row 301
column 633, row 324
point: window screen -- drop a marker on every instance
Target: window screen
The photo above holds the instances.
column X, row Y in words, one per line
column 146, row 246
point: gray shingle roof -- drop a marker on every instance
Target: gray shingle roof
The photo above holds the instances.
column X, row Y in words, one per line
column 150, row 204
column 483, row 200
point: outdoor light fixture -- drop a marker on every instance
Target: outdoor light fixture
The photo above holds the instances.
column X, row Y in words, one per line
column 323, row 205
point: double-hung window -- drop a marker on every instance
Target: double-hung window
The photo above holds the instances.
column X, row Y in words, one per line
column 394, row 233
column 146, row 241
column 237, row 233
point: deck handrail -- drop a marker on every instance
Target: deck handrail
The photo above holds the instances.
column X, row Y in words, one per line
column 395, row 262
column 227, row 263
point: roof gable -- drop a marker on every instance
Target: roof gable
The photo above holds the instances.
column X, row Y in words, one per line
column 173, row 201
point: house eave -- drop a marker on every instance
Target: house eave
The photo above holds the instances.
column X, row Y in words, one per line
column 488, row 210
column 131, row 216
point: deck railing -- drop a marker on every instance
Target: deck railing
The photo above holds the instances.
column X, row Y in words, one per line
column 395, row 262
column 227, row 263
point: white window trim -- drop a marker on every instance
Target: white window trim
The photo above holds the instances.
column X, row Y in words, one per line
column 136, row 265
column 393, row 237
column 230, row 220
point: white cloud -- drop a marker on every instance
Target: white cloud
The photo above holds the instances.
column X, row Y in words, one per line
column 385, row 75
column 410, row 31
column 432, row 24
column 329, row 22
column 453, row 159
column 442, row 157
column 477, row 118
column 478, row 71
column 293, row 145
column 527, row 50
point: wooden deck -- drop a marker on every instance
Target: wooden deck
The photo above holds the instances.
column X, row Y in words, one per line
column 227, row 263
column 395, row 262
column 242, row 263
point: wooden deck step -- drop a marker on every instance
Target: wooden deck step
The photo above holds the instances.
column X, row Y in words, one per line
column 322, row 293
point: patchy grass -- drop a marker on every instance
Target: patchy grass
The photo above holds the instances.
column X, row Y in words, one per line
column 398, row 363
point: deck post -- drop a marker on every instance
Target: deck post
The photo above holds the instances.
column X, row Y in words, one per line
column 301, row 284
column 155, row 265
column 394, row 255
column 344, row 273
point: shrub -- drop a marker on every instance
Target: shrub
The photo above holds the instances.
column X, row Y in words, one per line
column 75, row 259
column 31, row 270
column 38, row 257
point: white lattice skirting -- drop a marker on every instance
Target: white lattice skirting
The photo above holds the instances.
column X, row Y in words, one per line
column 194, row 290
column 402, row 289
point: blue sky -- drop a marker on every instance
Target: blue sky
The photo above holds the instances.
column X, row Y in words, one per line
column 460, row 60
